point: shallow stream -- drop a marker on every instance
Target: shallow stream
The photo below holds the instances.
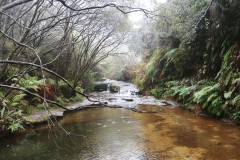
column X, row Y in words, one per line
column 120, row 133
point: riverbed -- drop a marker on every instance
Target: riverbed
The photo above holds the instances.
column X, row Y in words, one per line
column 154, row 130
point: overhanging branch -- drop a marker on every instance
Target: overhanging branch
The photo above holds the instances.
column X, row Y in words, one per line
column 26, row 91
column 51, row 72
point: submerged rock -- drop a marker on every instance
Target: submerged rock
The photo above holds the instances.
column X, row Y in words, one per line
column 128, row 99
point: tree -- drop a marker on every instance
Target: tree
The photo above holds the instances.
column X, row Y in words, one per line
column 43, row 37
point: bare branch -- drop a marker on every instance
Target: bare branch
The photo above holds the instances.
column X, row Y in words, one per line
column 210, row 4
column 49, row 71
column 13, row 4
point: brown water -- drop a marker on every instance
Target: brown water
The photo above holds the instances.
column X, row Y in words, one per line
column 119, row 134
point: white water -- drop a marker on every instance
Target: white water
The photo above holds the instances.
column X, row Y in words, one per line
column 108, row 88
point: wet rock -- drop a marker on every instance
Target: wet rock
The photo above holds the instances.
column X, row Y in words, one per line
column 112, row 99
column 165, row 103
column 114, row 88
column 99, row 87
column 128, row 99
column 43, row 116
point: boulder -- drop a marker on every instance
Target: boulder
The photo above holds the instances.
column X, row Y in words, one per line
column 99, row 87
column 114, row 88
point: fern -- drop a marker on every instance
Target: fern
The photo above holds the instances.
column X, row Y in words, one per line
column 170, row 56
column 226, row 56
column 187, row 91
column 176, row 90
column 213, row 95
column 29, row 82
column 15, row 104
column 236, row 99
column 205, row 104
column 170, row 84
column 18, row 97
column 228, row 95
column 235, row 80
column 216, row 106
column 203, row 94
column 228, row 77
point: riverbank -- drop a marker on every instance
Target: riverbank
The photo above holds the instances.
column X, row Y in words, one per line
column 112, row 100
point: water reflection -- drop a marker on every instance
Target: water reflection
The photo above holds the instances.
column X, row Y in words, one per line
column 101, row 134
column 112, row 134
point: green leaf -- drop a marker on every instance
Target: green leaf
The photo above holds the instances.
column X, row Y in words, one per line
column 228, row 77
column 236, row 99
column 213, row 95
column 205, row 104
column 2, row 112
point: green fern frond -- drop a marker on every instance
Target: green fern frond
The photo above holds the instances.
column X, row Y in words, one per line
column 228, row 77
column 61, row 83
column 226, row 56
column 170, row 84
column 34, row 87
column 14, row 104
column 235, row 80
column 216, row 106
column 171, row 53
column 176, row 90
column 200, row 94
column 205, row 104
column 29, row 82
column 227, row 95
column 2, row 112
column 18, row 97
column 236, row 99
column 205, row 92
column 213, row 95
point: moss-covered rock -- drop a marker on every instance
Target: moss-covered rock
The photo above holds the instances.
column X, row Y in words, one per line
column 114, row 88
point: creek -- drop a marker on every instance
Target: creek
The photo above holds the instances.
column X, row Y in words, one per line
column 138, row 128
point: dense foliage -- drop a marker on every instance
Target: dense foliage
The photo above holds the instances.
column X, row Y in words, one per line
column 196, row 57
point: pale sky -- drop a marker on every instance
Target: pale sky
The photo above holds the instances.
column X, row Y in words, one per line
column 136, row 16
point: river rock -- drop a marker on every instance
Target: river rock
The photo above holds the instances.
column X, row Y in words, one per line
column 99, row 87
column 114, row 88
column 128, row 99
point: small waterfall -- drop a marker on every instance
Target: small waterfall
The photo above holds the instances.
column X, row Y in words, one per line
column 108, row 88
column 129, row 92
